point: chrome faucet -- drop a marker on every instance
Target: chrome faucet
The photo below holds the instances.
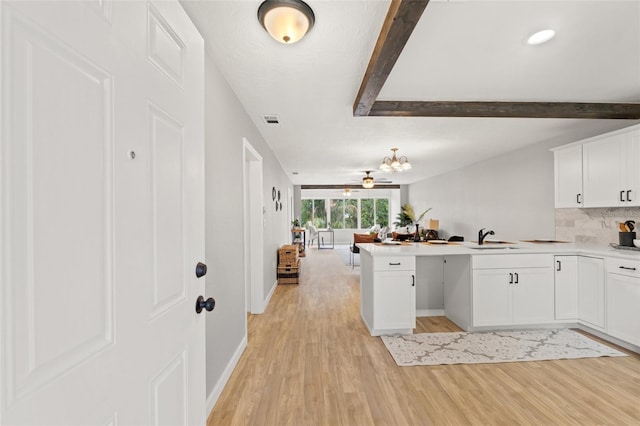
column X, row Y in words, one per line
column 482, row 236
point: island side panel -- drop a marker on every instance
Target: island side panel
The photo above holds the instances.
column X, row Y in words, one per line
column 457, row 290
column 366, row 288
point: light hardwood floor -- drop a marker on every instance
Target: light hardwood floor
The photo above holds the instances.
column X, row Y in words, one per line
column 311, row 361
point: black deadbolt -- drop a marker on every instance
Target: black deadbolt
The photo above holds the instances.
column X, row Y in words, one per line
column 208, row 304
column 201, row 270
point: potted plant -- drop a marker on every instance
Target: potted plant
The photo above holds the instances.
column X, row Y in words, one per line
column 407, row 217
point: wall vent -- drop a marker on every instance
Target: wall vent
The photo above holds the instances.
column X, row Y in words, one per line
column 271, row 119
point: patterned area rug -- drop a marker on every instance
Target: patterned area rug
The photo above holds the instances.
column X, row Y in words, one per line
column 492, row 347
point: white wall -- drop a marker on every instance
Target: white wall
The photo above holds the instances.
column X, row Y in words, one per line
column 511, row 194
column 227, row 123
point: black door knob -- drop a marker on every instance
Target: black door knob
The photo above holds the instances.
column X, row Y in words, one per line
column 201, row 270
column 208, row 304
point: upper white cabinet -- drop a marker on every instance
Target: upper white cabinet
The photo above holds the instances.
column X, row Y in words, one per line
column 600, row 171
column 568, row 177
column 610, row 170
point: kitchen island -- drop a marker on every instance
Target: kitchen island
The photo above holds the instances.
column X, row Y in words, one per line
column 504, row 286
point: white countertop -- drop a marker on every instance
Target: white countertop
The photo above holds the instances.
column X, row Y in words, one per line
column 519, row 247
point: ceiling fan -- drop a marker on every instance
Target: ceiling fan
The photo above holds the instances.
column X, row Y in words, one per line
column 369, row 182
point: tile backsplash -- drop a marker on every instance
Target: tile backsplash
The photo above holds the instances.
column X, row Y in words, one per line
column 595, row 227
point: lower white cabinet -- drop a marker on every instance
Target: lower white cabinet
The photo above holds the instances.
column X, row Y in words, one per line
column 514, row 295
column 388, row 293
column 394, row 300
column 623, row 300
column 591, row 292
column 566, row 288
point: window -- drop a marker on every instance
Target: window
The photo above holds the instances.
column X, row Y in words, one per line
column 314, row 211
column 344, row 214
column 351, row 213
column 374, row 211
column 382, row 211
column 367, row 213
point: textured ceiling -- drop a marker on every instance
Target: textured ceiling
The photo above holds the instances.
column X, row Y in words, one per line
column 460, row 50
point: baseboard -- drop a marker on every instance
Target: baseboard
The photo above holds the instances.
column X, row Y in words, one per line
column 430, row 312
column 609, row 338
column 212, row 399
column 268, row 298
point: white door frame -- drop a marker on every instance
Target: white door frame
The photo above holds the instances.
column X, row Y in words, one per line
column 290, row 214
column 253, row 229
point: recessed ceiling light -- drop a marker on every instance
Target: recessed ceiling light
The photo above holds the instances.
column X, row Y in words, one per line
column 541, row 37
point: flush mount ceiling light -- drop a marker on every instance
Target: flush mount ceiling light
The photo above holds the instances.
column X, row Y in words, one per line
column 286, row 20
column 367, row 181
column 394, row 164
column 541, row 37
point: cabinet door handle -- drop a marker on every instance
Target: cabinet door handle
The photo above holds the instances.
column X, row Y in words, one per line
column 621, row 196
column 413, row 280
column 627, row 268
column 516, row 274
column 510, row 278
column 394, row 264
column 559, row 266
column 578, row 200
column 628, row 197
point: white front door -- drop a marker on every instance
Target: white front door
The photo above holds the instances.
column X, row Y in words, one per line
column 102, row 216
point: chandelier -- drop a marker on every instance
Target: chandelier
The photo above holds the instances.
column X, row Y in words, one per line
column 394, row 164
column 367, row 181
column 346, row 192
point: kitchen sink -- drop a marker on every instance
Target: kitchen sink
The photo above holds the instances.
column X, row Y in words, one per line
column 483, row 247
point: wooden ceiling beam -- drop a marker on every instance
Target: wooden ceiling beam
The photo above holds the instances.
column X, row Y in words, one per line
column 617, row 111
column 402, row 18
column 354, row 186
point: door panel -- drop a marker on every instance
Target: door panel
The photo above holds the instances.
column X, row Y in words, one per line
column 632, row 156
column 167, row 177
column 491, row 297
column 623, row 299
column 165, row 49
column 591, row 291
column 56, row 100
column 394, row 300
column 568, row 177
column 169, row 386
column 102, row 214
column 602, row 172
column 533, row 296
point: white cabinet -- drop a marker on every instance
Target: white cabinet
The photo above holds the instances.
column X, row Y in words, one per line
column 388, row 293
column 568, row 176
column 623, row 300
column 515, row 295
column 566, row 288
column 394, row 300
column 591, row 292
column 610, row 172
